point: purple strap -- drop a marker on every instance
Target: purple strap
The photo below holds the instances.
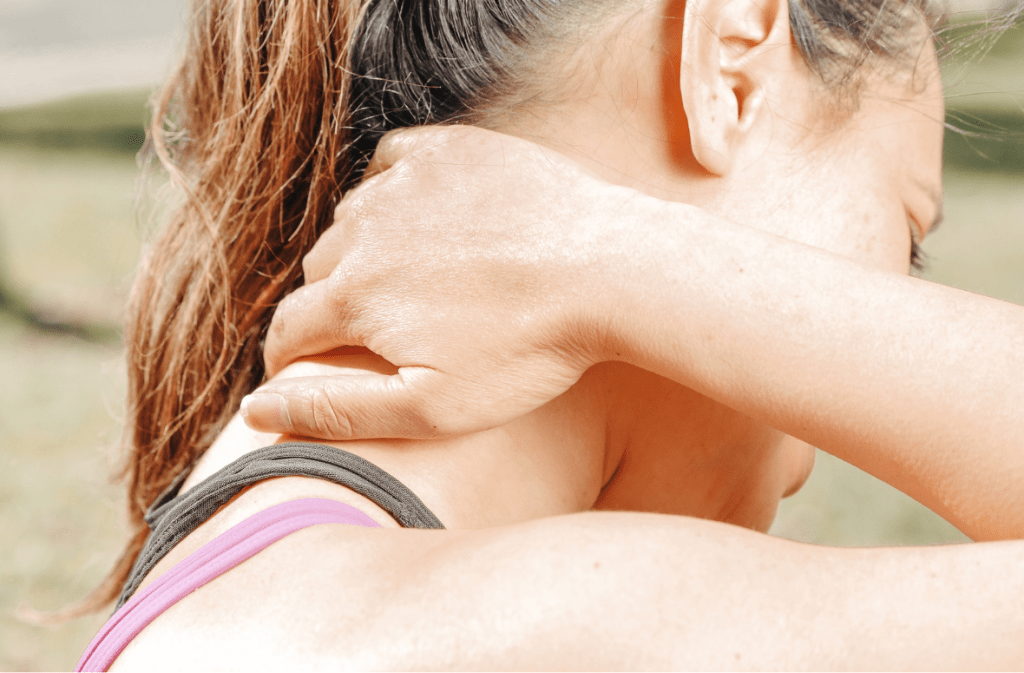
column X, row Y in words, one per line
column 215, row 558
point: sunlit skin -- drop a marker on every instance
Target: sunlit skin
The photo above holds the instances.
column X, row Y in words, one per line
column 860, row 183
column 876, row 175
column 855, row 183
column 804, row 166
column 671, row 450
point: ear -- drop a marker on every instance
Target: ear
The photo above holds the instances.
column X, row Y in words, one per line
column 721, row 95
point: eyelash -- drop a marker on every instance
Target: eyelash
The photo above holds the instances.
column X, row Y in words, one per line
column 918, row 257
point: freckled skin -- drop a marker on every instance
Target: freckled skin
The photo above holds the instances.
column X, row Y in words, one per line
column 639, row 441
column 510, row 576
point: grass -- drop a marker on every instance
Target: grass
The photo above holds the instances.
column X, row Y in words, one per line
column 60, row 518
column 68, row 243
column 105, row 122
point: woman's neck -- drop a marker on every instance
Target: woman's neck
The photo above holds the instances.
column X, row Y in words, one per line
column 552, row 461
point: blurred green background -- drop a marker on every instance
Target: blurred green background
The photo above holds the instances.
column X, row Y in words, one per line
column 69, row 239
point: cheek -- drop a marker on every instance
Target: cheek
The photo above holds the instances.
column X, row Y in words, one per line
column 884, row 240
column 871, row 231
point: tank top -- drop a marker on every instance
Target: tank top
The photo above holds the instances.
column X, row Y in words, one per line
column 173, row 516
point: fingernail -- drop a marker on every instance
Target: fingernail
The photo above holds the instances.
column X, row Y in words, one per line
column 268, row 410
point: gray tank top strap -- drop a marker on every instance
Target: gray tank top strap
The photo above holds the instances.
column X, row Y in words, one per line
column 172, row 517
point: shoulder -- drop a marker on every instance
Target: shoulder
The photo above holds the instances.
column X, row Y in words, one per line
column 591, row 590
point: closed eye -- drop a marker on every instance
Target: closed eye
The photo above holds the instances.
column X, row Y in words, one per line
column 918, row 258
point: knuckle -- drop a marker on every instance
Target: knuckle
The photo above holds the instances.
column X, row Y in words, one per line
column 447, row 133
column 324, row 418
column 279, row 321
column 338, row 285
column 396, row 136
column 345, row 204
column 367, row 210
column 391, row 137
column 309, row 266
column 346, row 213
column 339, row 208
column 342, row 207
column 321, row 261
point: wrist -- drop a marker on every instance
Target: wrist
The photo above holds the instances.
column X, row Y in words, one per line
column 639, row 246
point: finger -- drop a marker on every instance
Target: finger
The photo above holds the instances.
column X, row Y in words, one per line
column 344, row 407
column 308, row 321
column 326, row 254
column 402, row 143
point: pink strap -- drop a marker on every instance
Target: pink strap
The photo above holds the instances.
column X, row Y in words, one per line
column 215, row 558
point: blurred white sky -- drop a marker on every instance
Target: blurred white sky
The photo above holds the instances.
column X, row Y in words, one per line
column 55, row 48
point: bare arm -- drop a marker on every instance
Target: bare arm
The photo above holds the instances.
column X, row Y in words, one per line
column 488, row 318
column 916, row 383
column 648, row 591
column 598, row 591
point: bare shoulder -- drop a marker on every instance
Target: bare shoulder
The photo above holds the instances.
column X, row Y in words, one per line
column 594, row 590
column 570, row 591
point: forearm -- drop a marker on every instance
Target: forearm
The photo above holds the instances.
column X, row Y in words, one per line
column 916, row 383
column 488, row 316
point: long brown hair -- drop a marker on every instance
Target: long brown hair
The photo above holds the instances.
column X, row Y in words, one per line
column 269, row 118
column 250, row 129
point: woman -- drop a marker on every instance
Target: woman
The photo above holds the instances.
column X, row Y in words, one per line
column 523, row 578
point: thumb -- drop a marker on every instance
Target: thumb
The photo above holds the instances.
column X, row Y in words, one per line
column 344, row 407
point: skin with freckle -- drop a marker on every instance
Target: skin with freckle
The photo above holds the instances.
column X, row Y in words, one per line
column 623, row 126
column 698, row 190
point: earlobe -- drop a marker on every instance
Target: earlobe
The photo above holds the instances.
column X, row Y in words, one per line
column 720, row 94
